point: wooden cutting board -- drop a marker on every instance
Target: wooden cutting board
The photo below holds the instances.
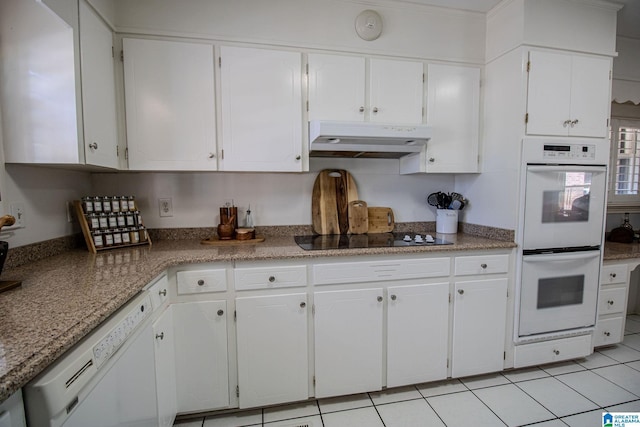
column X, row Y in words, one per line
column 381, row 220
column 332, row 192
column 358, row 217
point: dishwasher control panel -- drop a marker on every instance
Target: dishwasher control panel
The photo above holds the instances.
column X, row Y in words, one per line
column 117, row 335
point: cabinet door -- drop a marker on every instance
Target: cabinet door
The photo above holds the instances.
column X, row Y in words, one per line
column 453, row 110
column 98, row 90
column 202, row 370
column 273, row 364
column 348, row 341
column 396, row 91
column 261, row 105
column 164, row 343
column 479, row 324
column 170, row 105
column 417, row 333
column 590, row 96
column 336, row 87
column 549, row 94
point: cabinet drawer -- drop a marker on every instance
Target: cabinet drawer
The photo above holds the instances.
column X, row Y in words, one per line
column 612, row 301
column 367, row 271
column 551, row 351
column 608, row 331
column 159, row 292
column 200, row 281
column 481, row 264
column 613, row 274
column 270, row 277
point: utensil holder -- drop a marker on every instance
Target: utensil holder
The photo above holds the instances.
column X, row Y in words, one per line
column 446, row 221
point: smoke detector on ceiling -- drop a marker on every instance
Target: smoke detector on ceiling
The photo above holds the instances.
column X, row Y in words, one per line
column 369, row 25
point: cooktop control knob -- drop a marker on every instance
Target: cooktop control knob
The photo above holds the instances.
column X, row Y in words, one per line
column 407, row 238
column 429, row 238
column 418, row 238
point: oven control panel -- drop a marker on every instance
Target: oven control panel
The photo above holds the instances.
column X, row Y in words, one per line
column 553, row 152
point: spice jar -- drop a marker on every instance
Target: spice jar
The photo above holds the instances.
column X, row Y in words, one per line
column 93, row 222
column 106, row 204
column 131, row 201
column 115, row 204
column 130, row 219
column 117, row 237
column 134, row 235
column 126, row 238
column 103, row 220
column 113, row 221
column 121, row 220
column 124, row 203
column 87, row 204
column 97, row 204
column 98, row 241
column 108, row 238
column 144, row 236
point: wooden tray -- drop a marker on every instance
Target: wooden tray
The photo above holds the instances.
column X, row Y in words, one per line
column 214, row 241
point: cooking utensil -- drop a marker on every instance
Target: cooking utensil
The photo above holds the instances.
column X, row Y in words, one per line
column 358, row 217
column 432, row 199
column 381, row 220
column 333, row 189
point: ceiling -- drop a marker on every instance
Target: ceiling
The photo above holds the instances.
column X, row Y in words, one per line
column 628, row 16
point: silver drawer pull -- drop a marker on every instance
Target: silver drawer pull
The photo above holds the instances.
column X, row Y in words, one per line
column 303, row 304
column 393, row 297
column 272, row 279
column 612, row 275
column 556, row 352
column 220, row 312
column 162, row 293
column 200, row 282
column 484, row 266
column 608, row 334
column 379, row 299
column 610, row 302
column 160, row 336
column 461, row 291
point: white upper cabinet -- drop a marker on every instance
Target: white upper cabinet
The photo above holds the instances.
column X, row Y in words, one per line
column 98, row 90
column 336, row 87
column 261, row 103
column 43, row 58
column 170, row 105
column 353, row 88
column 568, row 95
column 453, row 112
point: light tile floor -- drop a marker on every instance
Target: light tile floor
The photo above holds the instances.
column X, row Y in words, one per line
column 571, row 394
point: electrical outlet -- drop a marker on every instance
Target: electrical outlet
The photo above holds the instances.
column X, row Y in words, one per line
column 18, row 212
column 166, row 206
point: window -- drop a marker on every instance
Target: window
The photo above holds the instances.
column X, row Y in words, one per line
column 624, row 180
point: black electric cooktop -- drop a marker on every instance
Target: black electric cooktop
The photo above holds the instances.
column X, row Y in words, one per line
column 373, row 240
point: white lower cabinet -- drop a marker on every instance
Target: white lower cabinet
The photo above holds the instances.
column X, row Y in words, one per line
column 417, row 333
column 612, row 304
column 479, row 324
column 202, row 365
column 164, row 348
column 272, row 334
column 348, row 341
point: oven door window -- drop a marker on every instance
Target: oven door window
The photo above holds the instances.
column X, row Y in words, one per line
column 564, row 206
column 560, row 291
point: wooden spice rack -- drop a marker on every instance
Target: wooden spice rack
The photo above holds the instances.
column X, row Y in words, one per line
column 88, row 237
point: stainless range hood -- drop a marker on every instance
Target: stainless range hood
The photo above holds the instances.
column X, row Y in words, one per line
column 365, row 140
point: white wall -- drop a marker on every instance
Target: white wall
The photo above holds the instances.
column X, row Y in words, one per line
column 275, row 198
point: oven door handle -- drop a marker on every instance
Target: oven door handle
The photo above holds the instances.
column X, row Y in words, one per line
column 561, row 256
column 538, row 168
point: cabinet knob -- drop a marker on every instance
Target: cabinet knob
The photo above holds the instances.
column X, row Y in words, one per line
column 608, row 334
column 612, row 275
column 160, row 336
column 303, row 304
column 361, row 109
column 393, row 297
column 162, row 293
column 375, row 110
column 272, row 279
column 93, row 145
column 431, row 160
column 379, row 299
column 298, row 157
column 556, row 352
column 461, row 291
column 200, row 282
column 610, row 302
column 220, row 312
column 566, row 123
column 484, row 266
column 211, row 155
column 574, row 122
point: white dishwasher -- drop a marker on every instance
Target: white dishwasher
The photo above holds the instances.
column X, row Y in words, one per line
column 108, row 379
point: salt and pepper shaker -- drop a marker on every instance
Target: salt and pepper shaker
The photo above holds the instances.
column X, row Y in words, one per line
column 248, row 222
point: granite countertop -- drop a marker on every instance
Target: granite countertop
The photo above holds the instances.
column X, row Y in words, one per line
column 64, row 297
column 621, row 251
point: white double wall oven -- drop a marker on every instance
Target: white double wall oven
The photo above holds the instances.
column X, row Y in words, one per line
column 562, row 215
